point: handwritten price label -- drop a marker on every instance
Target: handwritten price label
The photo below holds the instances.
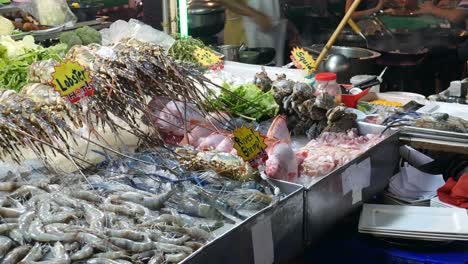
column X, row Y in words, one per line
column 249, row 144
column 207, row 57
column 302, row 59
column 72, row 81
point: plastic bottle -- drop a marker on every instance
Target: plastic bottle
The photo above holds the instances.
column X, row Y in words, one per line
column 326, row 83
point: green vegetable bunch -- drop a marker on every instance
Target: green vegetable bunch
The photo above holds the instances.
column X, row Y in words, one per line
column 246, row 101
column 82, row 36
column 17, row 56
column 184, row 49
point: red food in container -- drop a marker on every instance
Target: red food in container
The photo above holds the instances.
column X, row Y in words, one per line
column 351, row 100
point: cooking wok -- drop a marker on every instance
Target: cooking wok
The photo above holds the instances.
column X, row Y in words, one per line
column 362, row 61
column 395, row 52
column 265, row 55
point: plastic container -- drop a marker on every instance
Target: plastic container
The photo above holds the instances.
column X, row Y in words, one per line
column 351, row 100
column 325, row 82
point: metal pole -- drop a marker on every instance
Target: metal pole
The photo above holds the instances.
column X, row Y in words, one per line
column 173, row 10
column 166, row 23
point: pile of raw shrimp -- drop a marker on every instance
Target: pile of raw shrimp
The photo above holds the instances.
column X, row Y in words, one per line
column 48, row 222
column 118, row 217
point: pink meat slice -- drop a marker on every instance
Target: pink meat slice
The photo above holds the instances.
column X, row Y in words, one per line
column 176, row 117
column 282, row 163
column 196, row 135
column 227, row 145
column 218, row 119
column 331, row 151
column 211, row 142
column 279, row 130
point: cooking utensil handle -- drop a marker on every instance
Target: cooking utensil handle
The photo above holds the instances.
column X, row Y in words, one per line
column 355, row 27
column 337, row 32
column 368, row 84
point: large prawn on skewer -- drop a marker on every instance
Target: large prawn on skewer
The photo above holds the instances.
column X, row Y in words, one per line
column 38, row 117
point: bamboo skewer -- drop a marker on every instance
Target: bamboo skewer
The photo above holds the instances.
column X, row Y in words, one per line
column 335, row 34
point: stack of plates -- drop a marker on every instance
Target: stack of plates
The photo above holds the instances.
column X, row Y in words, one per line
column 414, row 222
column 412, row 185
column 392, row 199
column 436, row 202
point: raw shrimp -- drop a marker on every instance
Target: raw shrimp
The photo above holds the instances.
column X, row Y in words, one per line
column 157, row 258
column 118, row 209
column 17, row 236
column 101, row 261
column 194, row 208
column 34, row 254
column 24, row 222
column 176, row 258
column 5, row 244
column 132, row 246
column 85, row 252
column 151, row 202
column 11, row 213
column 87, row 196
column 36, row 232
column 175, row 241
column 142, row 210
column 15, row 255
column 96, row 242
column 128, row 234
column 193, row 245
column 169, row 248
column 112, row 255
column 93, row 216
column 67, row 201
column 123, row 261
column 194, row 232
column 7, row 227
column 26, row 190
column 10, row 186
column 10, row 220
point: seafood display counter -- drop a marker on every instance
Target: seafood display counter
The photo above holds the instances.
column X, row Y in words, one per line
column 273, row 235
column 331, row 197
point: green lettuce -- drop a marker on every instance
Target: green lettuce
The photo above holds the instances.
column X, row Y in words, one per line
column 246, row 101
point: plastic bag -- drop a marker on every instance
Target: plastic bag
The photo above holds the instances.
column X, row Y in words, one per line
column 136, row 30
column 50, row 12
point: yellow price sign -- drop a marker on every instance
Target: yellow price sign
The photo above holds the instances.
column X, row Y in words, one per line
column 72, row 81
column 207, row 57
column 302, row 59
column 248, row 143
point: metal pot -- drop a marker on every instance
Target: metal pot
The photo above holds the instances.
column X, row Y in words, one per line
column 361, row 61
column 230, row 52
column 205, row 17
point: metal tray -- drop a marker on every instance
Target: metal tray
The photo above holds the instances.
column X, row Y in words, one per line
column 42, row 32
column 273, row 235
column 448, row 135
column 332, row 197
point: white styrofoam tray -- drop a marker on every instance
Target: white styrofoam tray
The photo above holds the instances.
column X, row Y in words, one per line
column 414, row 219
column 414, row 236
column 458, row 110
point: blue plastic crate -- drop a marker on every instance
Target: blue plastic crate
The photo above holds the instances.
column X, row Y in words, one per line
column 363, row 249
